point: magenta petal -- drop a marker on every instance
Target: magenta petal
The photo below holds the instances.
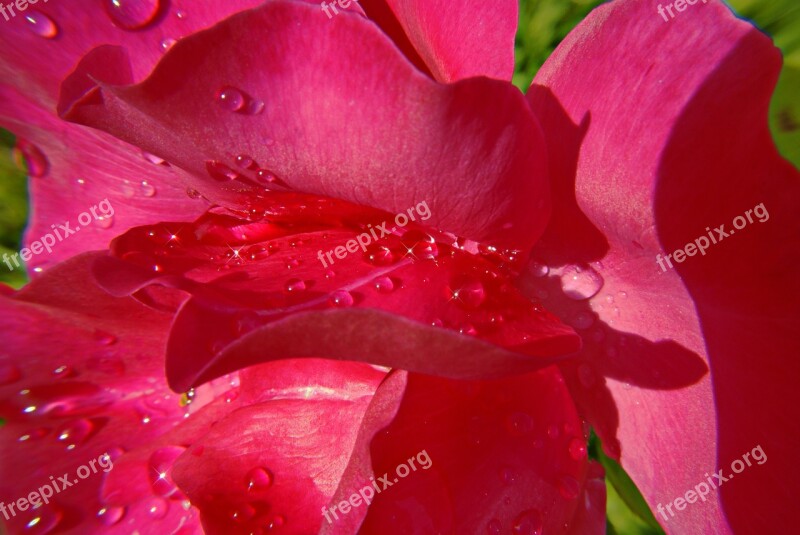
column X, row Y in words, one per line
column 409, row 141
column 456, row 41
column 664, row 143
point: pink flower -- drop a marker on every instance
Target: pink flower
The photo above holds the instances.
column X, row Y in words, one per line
column 239, row 146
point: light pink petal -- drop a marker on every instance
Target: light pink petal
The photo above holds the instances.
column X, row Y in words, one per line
column 455, row 40
column 664, row 142
column 462, row 148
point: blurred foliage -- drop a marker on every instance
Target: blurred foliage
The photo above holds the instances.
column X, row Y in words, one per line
column 13, row 209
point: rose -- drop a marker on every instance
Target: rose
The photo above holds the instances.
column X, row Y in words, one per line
column 486, row 429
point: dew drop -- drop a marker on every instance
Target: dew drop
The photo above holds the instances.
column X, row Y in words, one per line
column 63, row 372
column 41, row 24
column 35, row 160
column 468, row 328
column 419, row 245
column 384, row 285
column 167, row 43
column 266, row 176
column 110, row 515
column 230, row 99
column 132, row 14
column 157, row 508
column 341, row 299
column 580, row 283
column 75, row 433
column 105, row 338
column 568, row 487
column 538, row 269
column 494, row 527
column 276, row 522
column 258, row 479
column 245, row 162
column 254, row 107
column 221, row 172
column 467, row 292
column 105, row 222
column 128, row 190
column 330, row 274
column 147, row 189
column 152, row 158
column 294, row 286
column 528, row 523
column 552, row 431
column 47, row 518
column 159, row 468
column 193, row 193
column 577, row 449
column 379, row 255
column 34, row 434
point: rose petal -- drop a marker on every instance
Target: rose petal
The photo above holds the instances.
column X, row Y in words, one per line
column 674, row 142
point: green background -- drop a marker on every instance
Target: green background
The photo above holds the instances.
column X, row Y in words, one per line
column 543, row 24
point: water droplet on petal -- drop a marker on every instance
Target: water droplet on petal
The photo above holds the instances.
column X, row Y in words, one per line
column 330, row 274
column 152, row 158
column 528, row 523
column 419, row 245
column 294, row 286
column 104, row 338
column 538, row 269
column 577, row 449
column 254, row 107
column 41, row 24
column 148, row 190
column 128, row 190
column 167, row 43
column 580, row 283
column 132, row 14
column 193, row 193
column 157, row 508
column 258, row 479
column 552, row 431
column 110, row 515
column 467, row 292
column 34, row 434
column 494, row 527
column 231, row 99
column 75, row 433
column 46, row 519
column 160, row 466
column 276, row 522
column 35, row 160
column 341, row 299
column 221, row 172
column 105, row 222
column 568, row 487
column 384, row 285
column 379, row 255
column 245, row 162
column 266, row 176
column 63, row 372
